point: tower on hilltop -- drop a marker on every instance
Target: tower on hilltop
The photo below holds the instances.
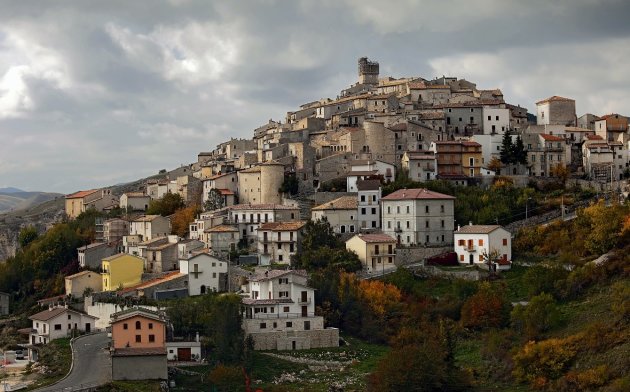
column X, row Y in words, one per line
column 368, row 71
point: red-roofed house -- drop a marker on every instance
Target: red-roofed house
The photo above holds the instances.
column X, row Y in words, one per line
column 376, row 251
column 79, row 202
column 613, row 128
column 418, row 217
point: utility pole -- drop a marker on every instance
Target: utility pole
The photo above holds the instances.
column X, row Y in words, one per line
column 562, row 206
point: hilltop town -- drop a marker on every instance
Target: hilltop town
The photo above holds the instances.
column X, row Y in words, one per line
column 395, row 180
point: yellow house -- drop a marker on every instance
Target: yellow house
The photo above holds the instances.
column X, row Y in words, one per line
column 376, row 251
column 121, row 270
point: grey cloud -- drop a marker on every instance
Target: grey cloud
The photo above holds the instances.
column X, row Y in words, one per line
column 95, row 111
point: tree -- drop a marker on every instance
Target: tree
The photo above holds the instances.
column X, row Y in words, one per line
column 215, row 200
column 507, row 156
column 227, row 378
column 167, row 205
column 488, row 308
column 495, row 165
column 318, row 234
column 27, row 235
column 490, row 258
column 539, row 315
column 561, row 172
column 519, row 152
column 290, row 184
column 181, row 220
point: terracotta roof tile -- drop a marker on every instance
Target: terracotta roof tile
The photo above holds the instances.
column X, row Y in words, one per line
column 282, row 226
column 477, row 229
column 415, row 194
column 555, row 98
column 551, row 138
column 376, row 237
column 80, row 194
column 341, row 203
column 221, row 229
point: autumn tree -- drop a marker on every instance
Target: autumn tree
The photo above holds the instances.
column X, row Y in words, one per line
column 495, row 165
column 561, row 172
column 542, row 362
column 488, row 308
column 181, row 220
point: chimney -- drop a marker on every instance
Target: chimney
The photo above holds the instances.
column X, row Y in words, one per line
column 458, row 227
column 197, row 337
column 470, row 223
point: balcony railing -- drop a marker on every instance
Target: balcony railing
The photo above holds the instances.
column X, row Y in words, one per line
column 470, row 248
column 304, row 301
column 262, row 316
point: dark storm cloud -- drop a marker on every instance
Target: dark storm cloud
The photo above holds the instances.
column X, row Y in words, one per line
column 94, row 93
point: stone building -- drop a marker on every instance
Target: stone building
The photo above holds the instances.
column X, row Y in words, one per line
column 420, row 165
column 261, row 184
column 279, row 313
column 248, row 217
column 90, row 256
column 134, row 201
column 556, row 111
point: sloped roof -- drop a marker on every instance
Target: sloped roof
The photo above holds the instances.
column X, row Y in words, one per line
column 136, row 310
column 415, row 194
column 272, row 274
column 282, row 226
column 48, row 314
column 368, row 185
column 376, row 237
column 261, row 207
column 80, row 194
column 551, row 138
column 340, row 203
column 477, row 229
column 555, row 98
column 221, row 229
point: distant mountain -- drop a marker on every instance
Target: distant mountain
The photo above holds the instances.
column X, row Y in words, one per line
column 10, row 190
column 13, row 199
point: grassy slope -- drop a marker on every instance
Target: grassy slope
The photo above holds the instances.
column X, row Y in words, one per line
column 57, row 358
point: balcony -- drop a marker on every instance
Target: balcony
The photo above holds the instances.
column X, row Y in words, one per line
column 304, row 301
column 470, row 248
column 261, row 316
column 398, row 229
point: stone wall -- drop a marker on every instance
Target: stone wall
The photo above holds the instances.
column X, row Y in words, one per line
column 141, row 367
column 296, row 340
column 405, row 256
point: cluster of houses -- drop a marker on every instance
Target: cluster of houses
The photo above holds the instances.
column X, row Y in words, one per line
column 328, row 160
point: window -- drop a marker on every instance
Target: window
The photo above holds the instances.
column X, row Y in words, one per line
column 461, row 243
column 480, row 257
column 489, row 118
column 442, row 222
column 283, row 294
column 398, row 209
column 389, row 210
column 374, row 211
column 285, row 309
column 362, row 197
column 363, row 211
column 426, row 224
column 138, row 339
column 480, row 242
column 442, row 208
column 280, row 258
column 461, row 257
column 151, row 338
column 407, row 224
column 138, row 325
column 289, row 324
column 307, row 325
column 70, row 316
column 389, row 224
column 263, row 325
column 505, row 242
column 125, row 326
column 57, row 327
column 150, row 325
column 407, row 209
column 497, row 118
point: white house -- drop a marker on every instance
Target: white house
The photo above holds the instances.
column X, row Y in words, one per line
column 205, row 273
column 58, row 322
column 419, row 217
column 495, row 120
column 475, row 244
column 280, row 313
column 365, row 169
column 248, row 217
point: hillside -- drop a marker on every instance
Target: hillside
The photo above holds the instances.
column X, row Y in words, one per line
column 12, row 199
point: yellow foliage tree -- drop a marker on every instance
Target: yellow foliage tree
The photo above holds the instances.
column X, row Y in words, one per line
column 181, row 220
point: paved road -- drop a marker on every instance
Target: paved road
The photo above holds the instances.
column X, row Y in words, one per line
column 92, row 364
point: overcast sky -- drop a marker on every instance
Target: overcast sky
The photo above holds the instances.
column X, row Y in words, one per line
column 93, row 93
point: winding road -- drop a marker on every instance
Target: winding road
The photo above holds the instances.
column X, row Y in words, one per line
column 91, row 365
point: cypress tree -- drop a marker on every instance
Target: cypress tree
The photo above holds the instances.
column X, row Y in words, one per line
column 520, row 154
column 507, row 155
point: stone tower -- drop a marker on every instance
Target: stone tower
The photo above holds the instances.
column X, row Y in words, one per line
column 368, row 71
